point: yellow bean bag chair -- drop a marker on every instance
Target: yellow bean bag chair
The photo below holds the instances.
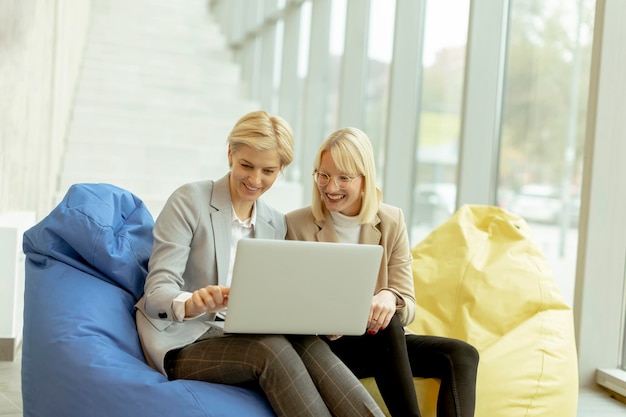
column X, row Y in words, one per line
column 480, row 277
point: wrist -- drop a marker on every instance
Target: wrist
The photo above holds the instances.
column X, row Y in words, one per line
column 397, row 299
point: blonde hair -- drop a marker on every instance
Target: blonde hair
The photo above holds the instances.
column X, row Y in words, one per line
column 263, row 131
column 353, row 154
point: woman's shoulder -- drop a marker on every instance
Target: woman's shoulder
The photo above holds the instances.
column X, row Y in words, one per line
column 213, row 192
column 304, row 213
column 301, row 224
column 196, row 187
column 388, row 213
column 192, row 199
column 192, row 193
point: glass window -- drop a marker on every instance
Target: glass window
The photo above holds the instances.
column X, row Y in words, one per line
column 543, row 124
column 445, row 41
column 336, row 48
column 305, row 39
column 380, row 48
column 277, row 64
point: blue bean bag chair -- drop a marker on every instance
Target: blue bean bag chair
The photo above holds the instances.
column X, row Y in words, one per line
column 81, row 356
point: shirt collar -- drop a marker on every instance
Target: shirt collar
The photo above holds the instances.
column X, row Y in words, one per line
column 249, row 222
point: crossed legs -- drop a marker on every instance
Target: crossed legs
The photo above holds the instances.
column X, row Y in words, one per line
column 393, row 359
column 300, row 376
column 454, row 363
column 383, row 356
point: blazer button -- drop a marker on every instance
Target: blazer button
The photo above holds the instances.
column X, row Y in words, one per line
column 162, row 315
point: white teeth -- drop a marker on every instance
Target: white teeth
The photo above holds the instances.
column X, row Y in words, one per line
column 334, row 197
column 251, row 188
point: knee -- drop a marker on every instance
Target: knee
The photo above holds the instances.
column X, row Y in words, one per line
column 309, row 343
column 273, row 348
column 269, row 358
column 465, row 355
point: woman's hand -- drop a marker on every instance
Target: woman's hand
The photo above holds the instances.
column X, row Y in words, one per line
column 382, row 310
column 209, row 299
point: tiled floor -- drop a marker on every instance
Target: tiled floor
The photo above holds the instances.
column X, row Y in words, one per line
column 592, row 402
column 596, row 403
column 10, row 388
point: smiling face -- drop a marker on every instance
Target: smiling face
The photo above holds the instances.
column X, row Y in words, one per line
column 347, row 200
column 252, row 173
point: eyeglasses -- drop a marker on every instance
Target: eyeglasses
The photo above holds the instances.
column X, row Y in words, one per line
column 342, row 181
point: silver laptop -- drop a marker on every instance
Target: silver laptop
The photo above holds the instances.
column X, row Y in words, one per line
column 296, row 287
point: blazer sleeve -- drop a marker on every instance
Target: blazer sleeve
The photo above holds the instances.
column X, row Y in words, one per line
column 399, row 267
column 173, row 233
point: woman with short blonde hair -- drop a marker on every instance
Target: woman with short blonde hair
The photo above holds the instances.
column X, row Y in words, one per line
column 188, row 284
column 262, row 131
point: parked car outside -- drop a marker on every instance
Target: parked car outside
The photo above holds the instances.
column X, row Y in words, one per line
column 543, row 204
column 434, row 203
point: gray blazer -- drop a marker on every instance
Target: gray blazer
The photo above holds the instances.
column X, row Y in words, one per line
column 191, row 250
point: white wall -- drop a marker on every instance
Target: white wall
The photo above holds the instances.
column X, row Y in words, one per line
column 41, row 44
column 599, row 294
column 12, row 228
column 41, row 47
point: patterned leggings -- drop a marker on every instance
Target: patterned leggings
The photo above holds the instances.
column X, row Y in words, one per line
column 300, row 375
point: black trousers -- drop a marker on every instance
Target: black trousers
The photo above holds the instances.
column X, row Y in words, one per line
column 393, row 358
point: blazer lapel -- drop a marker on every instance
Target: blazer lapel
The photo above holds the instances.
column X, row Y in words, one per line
column 327, row 232
column 264, row 228
column 221, row 219
column 370, row 234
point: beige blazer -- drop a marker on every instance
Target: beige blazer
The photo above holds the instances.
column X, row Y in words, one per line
column 388, row 230
column 191, row 250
